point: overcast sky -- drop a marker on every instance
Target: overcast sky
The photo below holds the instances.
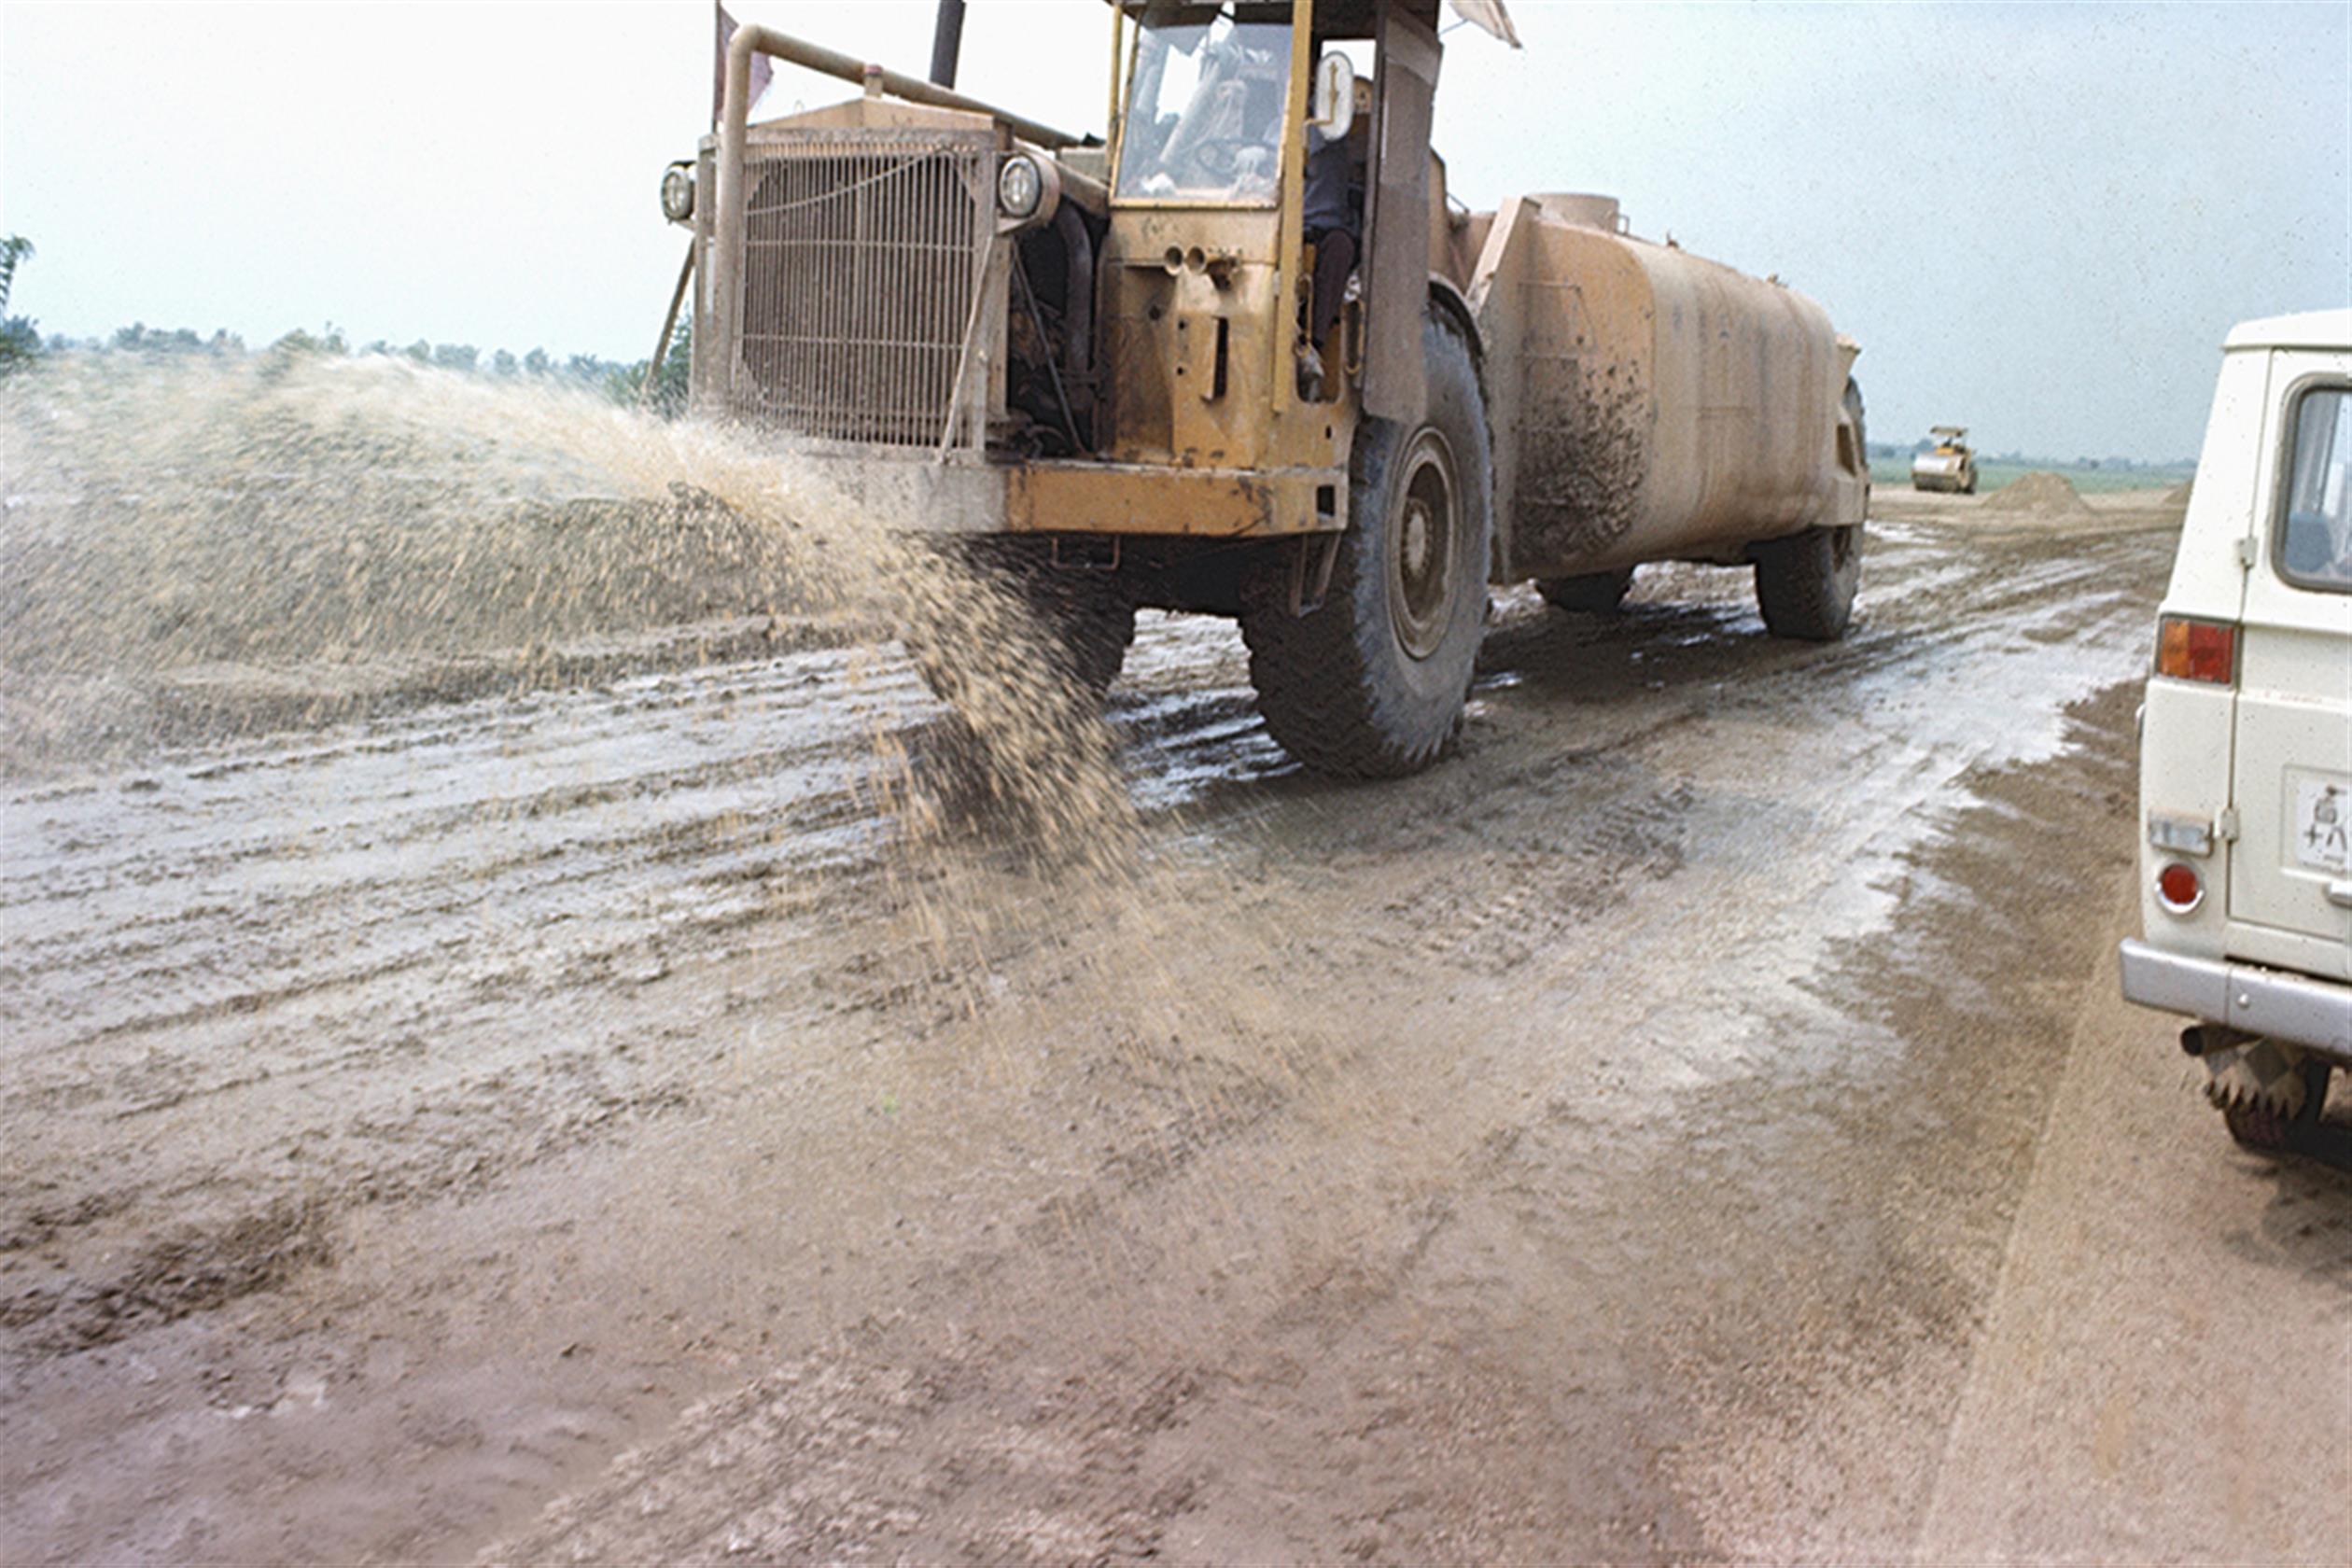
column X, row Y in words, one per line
column 2038, row 220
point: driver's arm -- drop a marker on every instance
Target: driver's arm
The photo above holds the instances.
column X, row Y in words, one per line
column 1200, row 111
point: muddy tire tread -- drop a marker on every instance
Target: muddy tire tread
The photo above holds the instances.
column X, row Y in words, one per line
column 2267, row 1132
column 1799, row 588
column 1325, row 680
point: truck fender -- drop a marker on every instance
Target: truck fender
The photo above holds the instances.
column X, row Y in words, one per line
column 1451, row 303
column 1448, row 298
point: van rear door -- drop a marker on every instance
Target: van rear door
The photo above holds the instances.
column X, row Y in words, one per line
column 2290, row 880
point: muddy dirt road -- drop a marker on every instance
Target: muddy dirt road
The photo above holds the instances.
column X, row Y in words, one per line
column 1694, row 1123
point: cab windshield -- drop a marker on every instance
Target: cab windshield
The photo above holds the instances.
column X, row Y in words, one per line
column 1204, row 116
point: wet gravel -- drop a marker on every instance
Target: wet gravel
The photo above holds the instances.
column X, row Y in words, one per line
column 568, row 1124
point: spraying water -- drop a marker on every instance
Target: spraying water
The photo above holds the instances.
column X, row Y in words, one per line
column 343, row 534
column 290, row 511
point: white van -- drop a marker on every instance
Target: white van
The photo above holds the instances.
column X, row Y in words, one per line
column 2246, row 746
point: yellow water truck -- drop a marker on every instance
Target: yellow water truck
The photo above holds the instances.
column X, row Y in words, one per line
column 1244, row 358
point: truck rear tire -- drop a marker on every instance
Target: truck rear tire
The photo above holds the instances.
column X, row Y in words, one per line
column 1083, row 622
column 1591, row 594
column 1370, row 683
column 1805, row 584
column 1087, row 623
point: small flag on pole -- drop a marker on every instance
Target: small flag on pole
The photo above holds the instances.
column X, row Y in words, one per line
column 763, row 67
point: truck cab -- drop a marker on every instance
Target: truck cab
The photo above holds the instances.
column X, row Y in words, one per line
column 2245, row 754
column 1039, row 326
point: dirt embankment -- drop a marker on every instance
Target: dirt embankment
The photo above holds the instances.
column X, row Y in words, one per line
column 2041, row 496
column 2039, row 501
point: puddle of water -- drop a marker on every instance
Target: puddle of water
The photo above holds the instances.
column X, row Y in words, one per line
column 1786, row 865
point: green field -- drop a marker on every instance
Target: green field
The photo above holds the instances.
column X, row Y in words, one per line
column 1991, row 475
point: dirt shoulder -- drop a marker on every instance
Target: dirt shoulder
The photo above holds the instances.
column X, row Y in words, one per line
column 2165, row 1371
column 2157, row 1371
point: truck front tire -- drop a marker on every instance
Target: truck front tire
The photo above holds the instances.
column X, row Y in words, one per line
column 1371, row 682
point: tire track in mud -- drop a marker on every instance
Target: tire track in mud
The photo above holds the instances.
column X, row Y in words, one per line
column 863, row 1429
column 1381, row 1379
column 1566, row 835
column 296, row 929
column 133, row 915
column 1831, row 1447
column 1394, row 1390
column 460, row 819
column 218, row 931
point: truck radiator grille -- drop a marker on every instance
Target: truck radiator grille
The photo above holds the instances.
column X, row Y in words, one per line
column 860, row 258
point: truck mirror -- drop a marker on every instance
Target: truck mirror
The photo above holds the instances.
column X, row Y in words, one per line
column 1332, row 109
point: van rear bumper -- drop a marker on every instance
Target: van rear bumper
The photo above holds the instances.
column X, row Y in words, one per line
column 2292, row 1009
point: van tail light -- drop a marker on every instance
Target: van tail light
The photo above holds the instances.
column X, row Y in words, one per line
column 2179, row 888
column 2190, row 650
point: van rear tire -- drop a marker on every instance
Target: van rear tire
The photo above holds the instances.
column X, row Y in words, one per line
column 2268, row 1133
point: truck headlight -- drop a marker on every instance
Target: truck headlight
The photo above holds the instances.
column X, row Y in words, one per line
column 677, row 192
column 1020, row 185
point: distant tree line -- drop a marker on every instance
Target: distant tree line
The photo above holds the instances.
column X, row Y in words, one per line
column 1927, row 444
column 20, row 335
column 21, row 342
column 620, row 380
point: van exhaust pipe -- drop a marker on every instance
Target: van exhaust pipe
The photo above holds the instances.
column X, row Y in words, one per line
column 2203, row 1040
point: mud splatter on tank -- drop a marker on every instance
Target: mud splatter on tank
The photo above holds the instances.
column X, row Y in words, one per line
column 1583, row 452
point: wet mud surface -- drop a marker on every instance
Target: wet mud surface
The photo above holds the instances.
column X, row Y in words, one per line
column 570, row 1125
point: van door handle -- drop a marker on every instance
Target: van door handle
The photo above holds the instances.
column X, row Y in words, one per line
column 2340, row 894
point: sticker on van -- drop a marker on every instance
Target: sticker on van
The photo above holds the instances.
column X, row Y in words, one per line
column 2323, row 825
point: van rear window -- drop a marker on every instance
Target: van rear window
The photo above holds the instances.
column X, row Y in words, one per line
column 2315, row 528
